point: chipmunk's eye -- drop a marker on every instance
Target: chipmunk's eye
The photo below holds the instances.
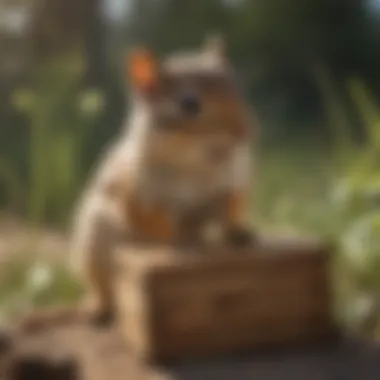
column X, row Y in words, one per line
column 190, row 104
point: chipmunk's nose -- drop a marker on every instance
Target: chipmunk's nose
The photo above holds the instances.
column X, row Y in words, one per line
column 190, row 104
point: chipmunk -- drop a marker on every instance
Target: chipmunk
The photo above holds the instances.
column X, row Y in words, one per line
column 182, row 162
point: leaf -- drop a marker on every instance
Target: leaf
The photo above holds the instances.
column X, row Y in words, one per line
column 23, row 99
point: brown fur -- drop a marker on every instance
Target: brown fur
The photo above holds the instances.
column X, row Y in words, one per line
column 170, row 174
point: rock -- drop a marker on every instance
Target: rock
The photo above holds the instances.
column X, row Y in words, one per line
column 36, row 366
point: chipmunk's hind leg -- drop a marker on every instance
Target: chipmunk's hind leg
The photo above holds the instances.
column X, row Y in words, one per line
column 94, row 241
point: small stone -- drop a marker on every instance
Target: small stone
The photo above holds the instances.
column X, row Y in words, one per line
column 30, row 367
column 39, row 367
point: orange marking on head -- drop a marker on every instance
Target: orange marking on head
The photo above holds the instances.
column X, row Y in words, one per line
column 143, row 69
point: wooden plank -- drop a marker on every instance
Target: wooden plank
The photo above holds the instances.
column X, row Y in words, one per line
column 174, row 304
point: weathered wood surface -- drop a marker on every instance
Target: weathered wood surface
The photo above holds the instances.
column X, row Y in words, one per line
column 175, row 304
column 103, row 355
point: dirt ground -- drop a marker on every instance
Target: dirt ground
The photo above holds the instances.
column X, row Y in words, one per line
column 76, row 351
column 82, row 351
column 16, row 238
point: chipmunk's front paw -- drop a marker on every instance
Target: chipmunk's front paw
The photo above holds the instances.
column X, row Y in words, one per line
column 241, row 237
column 97, row 313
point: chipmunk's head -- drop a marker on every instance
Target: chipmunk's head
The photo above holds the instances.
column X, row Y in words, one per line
column 199, row 114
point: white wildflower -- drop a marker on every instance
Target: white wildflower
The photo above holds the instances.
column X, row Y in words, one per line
column 40, row 277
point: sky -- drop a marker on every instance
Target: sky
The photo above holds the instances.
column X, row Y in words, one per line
column 374, row 4
column 115, row 10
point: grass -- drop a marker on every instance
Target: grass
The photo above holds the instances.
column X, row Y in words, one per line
column 27, row 283
column 292, row 191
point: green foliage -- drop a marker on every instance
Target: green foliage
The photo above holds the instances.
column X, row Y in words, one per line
column 335, row 195
column 355, row 202
column 12, row 184
column 60, row 114
column 26, row 284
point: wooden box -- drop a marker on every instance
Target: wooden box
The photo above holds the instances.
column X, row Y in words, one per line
column 175, row 305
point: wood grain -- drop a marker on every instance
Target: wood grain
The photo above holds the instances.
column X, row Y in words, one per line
column 175, row 304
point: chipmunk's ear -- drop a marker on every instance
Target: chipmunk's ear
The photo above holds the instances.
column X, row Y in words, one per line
column 142, row 68
column 215, row 44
